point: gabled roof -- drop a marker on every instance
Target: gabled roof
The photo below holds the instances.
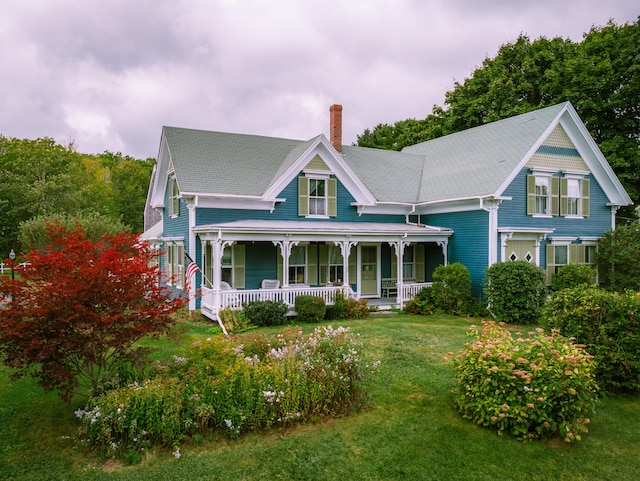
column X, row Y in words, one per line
column 223, row 163
column 475, row 163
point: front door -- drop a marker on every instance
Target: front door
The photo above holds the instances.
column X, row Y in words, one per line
column 369, row 282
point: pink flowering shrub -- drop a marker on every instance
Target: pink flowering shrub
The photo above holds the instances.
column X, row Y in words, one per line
column 536, row 387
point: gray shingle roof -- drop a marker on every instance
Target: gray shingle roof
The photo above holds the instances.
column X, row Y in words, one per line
column 477, row 161
column 474, row 162
column 223, row 163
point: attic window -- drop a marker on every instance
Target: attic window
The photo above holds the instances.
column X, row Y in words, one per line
column 174, row 201
column 317, row 196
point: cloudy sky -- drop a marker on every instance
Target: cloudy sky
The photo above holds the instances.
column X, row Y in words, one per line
column 108, row 74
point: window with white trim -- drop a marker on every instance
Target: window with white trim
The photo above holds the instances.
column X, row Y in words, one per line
column 298, row 265
column 174, row 264
column 317, row 196
column 574, row 196
column 542, row 194
column 409, row 263
column 227, row 266
column 174, row 199
column 562, row 252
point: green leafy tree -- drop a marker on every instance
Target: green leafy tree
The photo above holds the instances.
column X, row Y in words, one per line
column 34, row 232
column 618, row 258
column 600, row 76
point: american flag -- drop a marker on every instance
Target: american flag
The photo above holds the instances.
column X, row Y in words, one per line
column 192, row 268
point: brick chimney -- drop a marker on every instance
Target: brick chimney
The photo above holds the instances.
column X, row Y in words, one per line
column 335, row 127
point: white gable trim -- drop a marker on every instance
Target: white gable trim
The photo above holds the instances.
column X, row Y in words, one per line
column 162, row 167
column 322, row 147
column 534, row 148
column 589, row 151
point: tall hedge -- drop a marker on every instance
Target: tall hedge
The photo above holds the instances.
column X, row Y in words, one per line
column 516, row 291
column 608, row 324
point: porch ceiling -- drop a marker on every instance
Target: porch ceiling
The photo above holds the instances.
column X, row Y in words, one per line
column 324, row 228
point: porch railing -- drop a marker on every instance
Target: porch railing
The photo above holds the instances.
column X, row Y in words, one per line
column 410, row 290
column 235, row 299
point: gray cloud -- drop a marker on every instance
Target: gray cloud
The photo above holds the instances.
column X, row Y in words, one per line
column 108, row 75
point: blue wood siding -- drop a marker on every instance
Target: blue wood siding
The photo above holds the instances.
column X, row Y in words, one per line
column 513, row 213
column 433, row 257
column 261, row 262
column 288, row 210
column 469, row 242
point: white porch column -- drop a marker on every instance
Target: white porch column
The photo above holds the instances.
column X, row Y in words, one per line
column 285, row 252
column 399, row 248
column 191, row 207
column 345, row 250
column 216, row 267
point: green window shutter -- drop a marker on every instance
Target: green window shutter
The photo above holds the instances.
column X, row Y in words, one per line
column 419, row 253
column 585, row 197
column 303, row 196
column 353, row 266
column 576, row 254
column 332, row 195
column 279, row 264
column 394, row 264
column 555, row 187
column 531, row 194
column 238, row 266
column 208, row 255
column 312, row 264
column 323, row 249
column 551, row 260
column 564, row 201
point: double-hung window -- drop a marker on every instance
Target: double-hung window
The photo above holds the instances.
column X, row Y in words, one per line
column 409, row 263
column 174, row 199
column 542, row 194
column 317, row 196
column 574, row 195
column 174, row 263
column 298, row 265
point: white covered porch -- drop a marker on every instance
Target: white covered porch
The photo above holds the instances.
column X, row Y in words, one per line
column 360, row 272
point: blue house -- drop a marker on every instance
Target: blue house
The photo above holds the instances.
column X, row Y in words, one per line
column 272, row 218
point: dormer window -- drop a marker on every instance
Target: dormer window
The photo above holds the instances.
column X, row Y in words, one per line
column 317, row 196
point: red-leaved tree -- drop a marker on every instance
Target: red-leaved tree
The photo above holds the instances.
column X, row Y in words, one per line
column 74, row 313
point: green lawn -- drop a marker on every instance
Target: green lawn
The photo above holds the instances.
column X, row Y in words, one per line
column 412, row 430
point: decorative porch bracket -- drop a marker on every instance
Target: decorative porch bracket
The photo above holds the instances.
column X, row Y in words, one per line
column 345, row 250
column 285, row 250
column 444, row 245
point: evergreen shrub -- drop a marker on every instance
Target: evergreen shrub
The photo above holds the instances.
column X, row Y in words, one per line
column 608, row 324
column 452, row 288
column 266, row 313
column 515, row 291
column 310, row 308
column 573, row 275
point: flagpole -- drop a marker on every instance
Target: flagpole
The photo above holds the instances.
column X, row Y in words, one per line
column 210, row 283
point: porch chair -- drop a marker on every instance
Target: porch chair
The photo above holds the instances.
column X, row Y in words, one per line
column 270, row 284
